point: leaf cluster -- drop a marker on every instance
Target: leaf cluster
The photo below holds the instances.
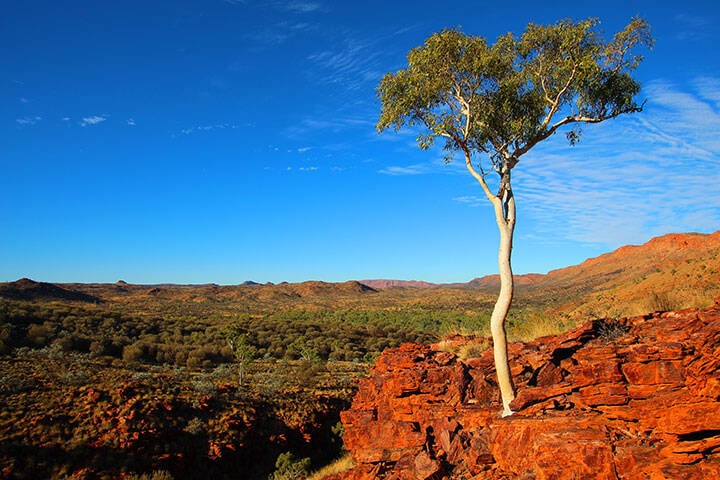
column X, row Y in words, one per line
column 504, row 98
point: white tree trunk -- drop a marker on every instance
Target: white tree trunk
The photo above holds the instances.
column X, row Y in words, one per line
column 505, row 217
column 504, row 206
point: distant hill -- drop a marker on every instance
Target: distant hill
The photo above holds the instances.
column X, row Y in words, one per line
column 493, row 281
column 249, row 296
column 378, row 284
column 672, row 271
column 669, row 272
column 618, row 267
column 29, row 290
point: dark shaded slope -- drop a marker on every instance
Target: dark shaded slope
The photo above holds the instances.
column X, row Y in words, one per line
column 30, row 290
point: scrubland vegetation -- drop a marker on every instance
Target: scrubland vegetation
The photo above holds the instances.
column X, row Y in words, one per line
column 150, row 388
column 148, row 384
column 106, row 381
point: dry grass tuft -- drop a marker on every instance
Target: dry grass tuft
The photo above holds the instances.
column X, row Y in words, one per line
column 537, row 325
column 340, row 465
column 474, row 348
column 464, row 347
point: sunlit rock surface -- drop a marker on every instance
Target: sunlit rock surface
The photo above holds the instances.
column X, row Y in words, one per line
column 633, row 398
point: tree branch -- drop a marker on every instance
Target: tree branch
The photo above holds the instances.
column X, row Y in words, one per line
column 565, row 121
column 555, row 104
column 479, row 177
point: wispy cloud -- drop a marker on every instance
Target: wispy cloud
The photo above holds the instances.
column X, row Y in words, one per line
column 471, row 200
column 287, row 5
column 358, row 60
column 208, row 127
column 417, row 169
column 349, row 65
column 686, row 118
column 28, row 120
column 94, row 120
column 631, row 178
column 353, row 64
column 307, row 168
column 323, row 124
column 131, row 122
column 709, row 89
column 693, row 27
column 301, row 7
column 296, row 19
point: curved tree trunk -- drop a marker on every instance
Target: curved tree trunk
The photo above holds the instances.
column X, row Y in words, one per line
column 504, row 206
column 505, row 217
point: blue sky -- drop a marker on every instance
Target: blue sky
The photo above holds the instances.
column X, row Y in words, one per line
column 191, row 141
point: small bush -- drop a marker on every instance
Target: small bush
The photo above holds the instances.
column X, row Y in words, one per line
column 76, row 379
column 222, row 372
column 133, row 353
column 38, row 335
column 157, row 475
column 611, row 330
column 141, row 376
column 194, row 426
column 474, row 349
column 288, row 467
column 10, row 384
column 204, row 386
column 660, row 302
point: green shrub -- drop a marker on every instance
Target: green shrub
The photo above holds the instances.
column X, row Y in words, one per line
column 157, row 475
column 288, row 467
column 133, row 353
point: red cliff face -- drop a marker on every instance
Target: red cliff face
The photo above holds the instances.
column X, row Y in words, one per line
column 636, row 398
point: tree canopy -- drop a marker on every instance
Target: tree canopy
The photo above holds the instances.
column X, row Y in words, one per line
column 503, row 99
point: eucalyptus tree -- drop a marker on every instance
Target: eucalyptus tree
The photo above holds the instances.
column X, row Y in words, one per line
column 243, row 351
column 491, row 104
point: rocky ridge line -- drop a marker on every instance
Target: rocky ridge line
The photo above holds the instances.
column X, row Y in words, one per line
column 632, row 398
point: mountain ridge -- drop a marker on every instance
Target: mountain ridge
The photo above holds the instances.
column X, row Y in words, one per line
column 672, row 271
column 662, row 243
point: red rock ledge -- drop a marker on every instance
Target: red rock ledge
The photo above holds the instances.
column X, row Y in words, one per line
column 638, row 400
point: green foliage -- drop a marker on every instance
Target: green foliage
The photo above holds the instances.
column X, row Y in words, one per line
column 204, row 339
column 156, row 475
column 502, row 99
column 289, row 467
column 300, row 348
column 243, row 351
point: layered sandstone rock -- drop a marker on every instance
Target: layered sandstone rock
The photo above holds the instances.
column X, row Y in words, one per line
column 634, row 398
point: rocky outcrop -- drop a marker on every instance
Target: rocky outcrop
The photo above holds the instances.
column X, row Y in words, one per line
column 632, row 398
